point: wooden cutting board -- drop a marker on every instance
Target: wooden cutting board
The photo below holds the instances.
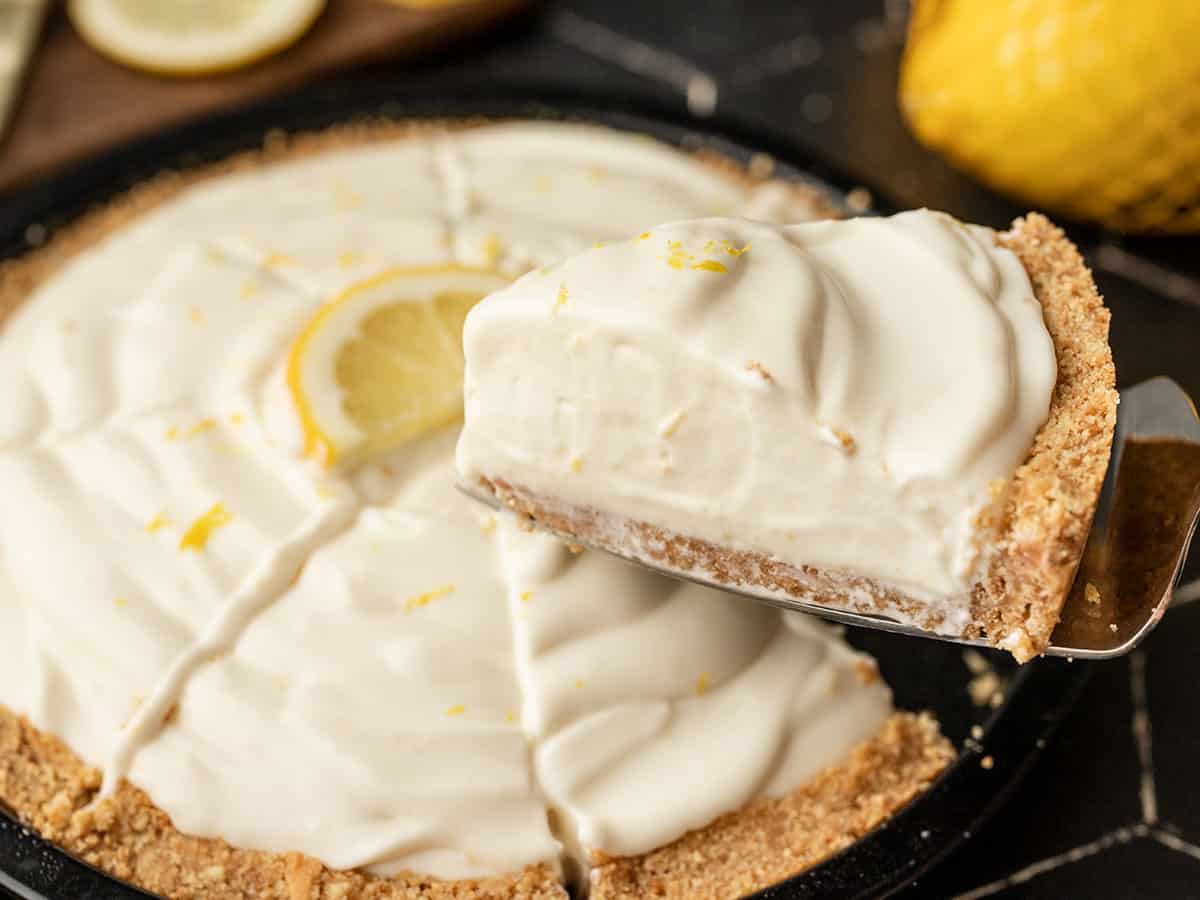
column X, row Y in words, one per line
column 76, row 102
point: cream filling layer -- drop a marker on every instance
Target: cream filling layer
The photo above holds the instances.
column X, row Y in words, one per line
column 346, row 666
column 834, row 394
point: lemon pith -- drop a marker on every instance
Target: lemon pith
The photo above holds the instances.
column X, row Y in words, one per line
column 382, row 361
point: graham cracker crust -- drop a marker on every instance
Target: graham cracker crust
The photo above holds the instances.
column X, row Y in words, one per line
column 1041, row 516
column 53, row 792
column 774, row 839
column 1048, row 506
column 50, row 789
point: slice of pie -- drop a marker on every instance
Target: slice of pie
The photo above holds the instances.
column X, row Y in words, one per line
column 229, row 669
column 904, row 416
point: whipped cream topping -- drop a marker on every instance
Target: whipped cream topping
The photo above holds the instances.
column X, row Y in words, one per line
column 668, row 704
column 365, row 667
column 834, row 394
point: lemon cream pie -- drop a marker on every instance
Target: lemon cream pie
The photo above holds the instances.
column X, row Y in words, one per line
column 907, row 416
column 252, row 640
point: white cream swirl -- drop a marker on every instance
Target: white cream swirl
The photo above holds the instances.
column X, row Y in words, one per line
column 836, row 394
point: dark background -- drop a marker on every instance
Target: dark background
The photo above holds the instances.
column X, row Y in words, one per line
column 1112, row 809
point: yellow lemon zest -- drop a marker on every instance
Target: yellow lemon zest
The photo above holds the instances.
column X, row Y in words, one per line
column 493, row 249
column 420, row 600
column 561, row 299
column 196, row 537
column 159, row 522
column 206, row 424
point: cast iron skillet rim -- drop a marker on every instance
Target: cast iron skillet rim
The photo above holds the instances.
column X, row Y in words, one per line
column 885, row 860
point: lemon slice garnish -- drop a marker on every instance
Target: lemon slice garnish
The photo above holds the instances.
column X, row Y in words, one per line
column 191, row 37
column 382, row 362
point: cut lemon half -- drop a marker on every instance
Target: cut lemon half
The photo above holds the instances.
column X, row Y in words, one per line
column 191, row 37
column 382, row 362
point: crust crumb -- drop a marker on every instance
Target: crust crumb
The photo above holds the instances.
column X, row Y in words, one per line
column 758, row 369
column 301, row 873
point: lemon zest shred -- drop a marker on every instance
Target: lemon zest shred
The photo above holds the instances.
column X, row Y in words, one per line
column 702, row 684
column 159, row 522
column 197, row 536
column 121, row 602
column 493, row 249
column 456, row 710
column 206, row 424
column 420, row 600
column 711, row 265
column 561, row 300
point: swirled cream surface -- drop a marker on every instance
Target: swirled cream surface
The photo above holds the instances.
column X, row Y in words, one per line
column 836, row 394
column 364, row 667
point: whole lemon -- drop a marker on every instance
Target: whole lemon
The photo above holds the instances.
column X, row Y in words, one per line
column 1089, row 107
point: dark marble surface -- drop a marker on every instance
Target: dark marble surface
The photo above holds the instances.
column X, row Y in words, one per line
column 1112, row 809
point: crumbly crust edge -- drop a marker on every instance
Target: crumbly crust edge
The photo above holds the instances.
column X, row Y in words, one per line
column 1046, row 509
column 126, row 835
column 774, row 839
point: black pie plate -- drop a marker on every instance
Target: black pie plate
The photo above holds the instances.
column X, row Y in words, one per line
column 924, row 674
